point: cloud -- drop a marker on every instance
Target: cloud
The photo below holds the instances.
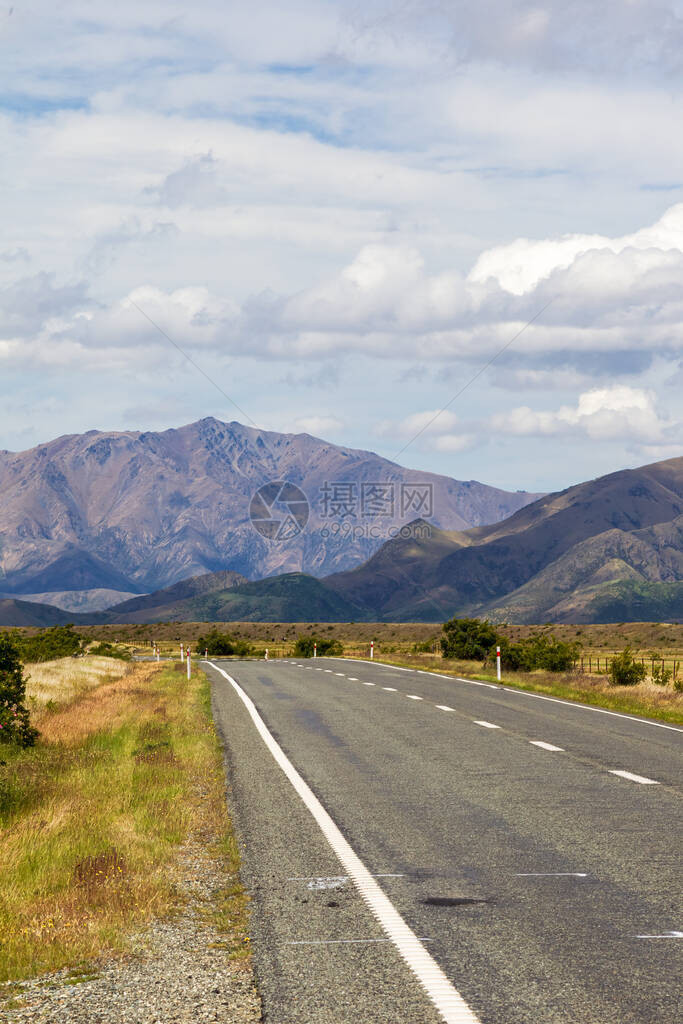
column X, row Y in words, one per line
column 319, row 426
column 615, row 413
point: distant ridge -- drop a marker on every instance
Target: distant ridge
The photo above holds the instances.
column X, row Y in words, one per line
column 136, row 512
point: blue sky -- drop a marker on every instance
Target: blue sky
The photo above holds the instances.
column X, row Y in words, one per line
column 344, row 212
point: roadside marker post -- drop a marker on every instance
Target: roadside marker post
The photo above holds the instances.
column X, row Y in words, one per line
column 372, row 649
column 315, row 650
column 206, row 652
column 498, row 663
column 182, row 652
column 189, row 663
column 157, row 652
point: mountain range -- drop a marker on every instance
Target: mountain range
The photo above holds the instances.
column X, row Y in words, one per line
column 94, row 519
column 606, row 550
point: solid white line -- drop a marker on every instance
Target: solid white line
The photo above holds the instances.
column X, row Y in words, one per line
column 551, row 874
column 487, row 725
column 436, row 984
column 389, row 689
column 544, row 746
column 341, row 942
column 527, row 693
column 413, row 696
column 667, row 935
column 633, row 778
column 444, row 707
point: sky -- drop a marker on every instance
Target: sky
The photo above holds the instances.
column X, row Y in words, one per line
column 448, row 232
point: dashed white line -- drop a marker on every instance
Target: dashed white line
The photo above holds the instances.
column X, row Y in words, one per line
column 666, row 935
column 633, row 778
column 438, row 987
column 328, row 670
column 340, row 673
column 487, row 725
column 353, row 679
column 367, row 684
column 551, row 874
column 444, row 707
column 390, row 689
column 545, row 746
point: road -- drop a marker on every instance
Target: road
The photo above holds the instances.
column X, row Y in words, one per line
column 544, row 887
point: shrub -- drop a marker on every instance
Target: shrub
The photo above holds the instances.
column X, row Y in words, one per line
column 222, row 645
column 469, row 639
column 303, row 648
column 625, row 670
column 107, row 650
column 661, row 676
column 14, row 722
column 49, row 644
column 539, row 650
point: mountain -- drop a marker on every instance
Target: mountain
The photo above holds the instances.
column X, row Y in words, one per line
column 176, row 602
column 610, row 549
column 30, row 613
column 132, row 512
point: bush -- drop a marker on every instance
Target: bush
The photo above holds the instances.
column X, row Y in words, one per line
column 539, row 650
column 49, row 644
column 222, row 645
column 107, row 650
column 469, row 639
column 303, row 648
column 625, row 670
column 14, row 722
column 661, row 676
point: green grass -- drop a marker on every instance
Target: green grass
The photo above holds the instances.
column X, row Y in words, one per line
column 91, row 820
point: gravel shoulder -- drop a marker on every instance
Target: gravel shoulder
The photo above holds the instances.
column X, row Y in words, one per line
column 179, row 969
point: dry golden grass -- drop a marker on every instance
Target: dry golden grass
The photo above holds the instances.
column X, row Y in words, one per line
column 91, row 819
column 63, row 680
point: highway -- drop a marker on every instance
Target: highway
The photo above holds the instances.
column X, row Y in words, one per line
column 491, row 857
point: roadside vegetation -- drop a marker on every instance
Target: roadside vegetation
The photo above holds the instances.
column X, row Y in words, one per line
column 124, row 769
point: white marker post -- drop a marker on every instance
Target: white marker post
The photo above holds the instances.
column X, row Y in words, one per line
column 265, row 657
column 189, row 663
column 498, row 663
column 206, row 652
column 315, row 650
column 157, row 653
column 372, row 649
column 182, row 652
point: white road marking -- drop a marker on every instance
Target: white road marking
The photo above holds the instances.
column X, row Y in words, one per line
column 345, row 942
column 444, row 707
column 329, row 670
column 413, row 696
column 443, row 994
column 389, row 689
column 633, row 778
column 527, row 693
column 551, row 874
column 666, row 935
column 353, row 679
column 340, row 673
column 487, row 725
column 475, row 682
column 333, row 878
column 368, row 684
column 545, row 746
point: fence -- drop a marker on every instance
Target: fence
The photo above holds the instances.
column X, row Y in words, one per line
column 600, row 664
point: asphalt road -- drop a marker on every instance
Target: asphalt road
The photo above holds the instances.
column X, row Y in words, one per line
column 531, row 874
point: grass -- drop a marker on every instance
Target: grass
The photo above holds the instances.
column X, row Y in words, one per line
column 645, row 699
column 92, row 818
column 62, row 681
